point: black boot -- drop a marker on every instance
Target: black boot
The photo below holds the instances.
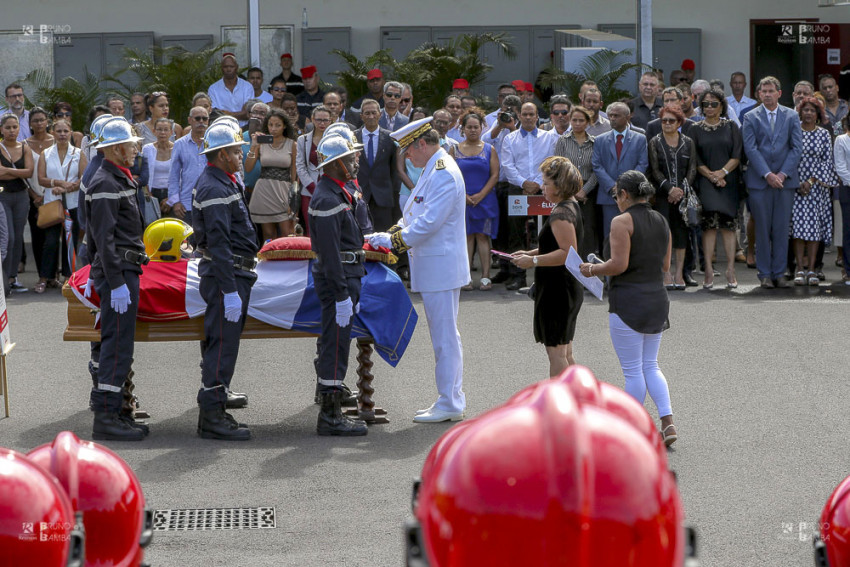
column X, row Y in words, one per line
column 349, row 399
column 332, row 422
column 110, row 426
column 218, row 424
column 235, row 400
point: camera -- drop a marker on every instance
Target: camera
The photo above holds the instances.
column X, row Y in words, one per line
column 507, row 116
column 265, row 139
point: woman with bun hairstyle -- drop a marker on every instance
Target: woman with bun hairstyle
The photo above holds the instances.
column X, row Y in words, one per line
column 638, row 305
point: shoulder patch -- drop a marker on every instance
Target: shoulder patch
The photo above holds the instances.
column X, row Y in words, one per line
column 440, row 164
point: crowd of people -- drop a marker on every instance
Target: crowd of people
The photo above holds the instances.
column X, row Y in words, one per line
column 709, row 163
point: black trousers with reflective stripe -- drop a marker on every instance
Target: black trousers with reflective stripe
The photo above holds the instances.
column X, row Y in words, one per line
column 117, row 340
column 334, row 343
column 221, row 341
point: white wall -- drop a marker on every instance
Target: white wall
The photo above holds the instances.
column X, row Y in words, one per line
column 725, row 23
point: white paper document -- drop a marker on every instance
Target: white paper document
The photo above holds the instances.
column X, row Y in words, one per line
column 592, row 283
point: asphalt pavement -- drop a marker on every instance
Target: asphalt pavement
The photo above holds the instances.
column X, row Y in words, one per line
column 758, row 384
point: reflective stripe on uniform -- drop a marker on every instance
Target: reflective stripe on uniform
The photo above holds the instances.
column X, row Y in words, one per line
column 338, row 209
column 330, row 382
column 126, row 193
column 213, row 388
column 109, row 387
column 217, row 201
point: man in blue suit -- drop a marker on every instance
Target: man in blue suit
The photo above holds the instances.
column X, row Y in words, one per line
column 773, row 142
column 616, row 152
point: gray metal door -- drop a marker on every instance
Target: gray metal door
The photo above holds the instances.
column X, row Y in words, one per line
column 188, row 42
column 84, row 53
column 402, row 40
column 114, row 45
column 506, row 70
column 671, row 47
column 316, row 44
column 446, row 34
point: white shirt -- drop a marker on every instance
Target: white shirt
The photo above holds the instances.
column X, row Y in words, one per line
column 57, row 169
column 523, row 154
column 841, row 152
column 232, row 101
column 264, row 96
column 497, row 142
column 739, row 107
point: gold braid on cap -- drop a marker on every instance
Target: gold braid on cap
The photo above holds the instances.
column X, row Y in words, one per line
column 398, row 242
column 410, row 137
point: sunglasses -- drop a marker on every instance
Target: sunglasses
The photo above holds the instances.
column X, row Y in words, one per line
column 559, row 112
column 405, row 100
column 393, row 95
column 201, row 118
column 279, row 89
column 669, row 120
column 158, row 94
column 710, row 104
column 62, row 114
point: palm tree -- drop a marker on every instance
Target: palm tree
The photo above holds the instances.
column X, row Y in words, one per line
column 431, row 68
column 606, row 68
column 428, row 69
column 81, row 96
column 185, row 74
column 354, row 78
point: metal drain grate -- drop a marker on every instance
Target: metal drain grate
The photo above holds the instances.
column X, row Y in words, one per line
column 214, row 519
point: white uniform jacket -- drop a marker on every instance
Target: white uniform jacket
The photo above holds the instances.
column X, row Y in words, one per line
column 434, row 226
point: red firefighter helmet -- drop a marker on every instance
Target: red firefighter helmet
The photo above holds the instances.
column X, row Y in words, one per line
column 37, row 521
column 105, row 489
column 832, row 544
column 548, row 480
column 587, row 389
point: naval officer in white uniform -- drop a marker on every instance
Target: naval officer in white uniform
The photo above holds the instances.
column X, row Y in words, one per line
column 433, row 228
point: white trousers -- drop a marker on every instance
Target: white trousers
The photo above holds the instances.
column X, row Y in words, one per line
column 441, row 309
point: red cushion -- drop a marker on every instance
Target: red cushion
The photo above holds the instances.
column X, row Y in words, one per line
column 298, row 248
column 287, row 248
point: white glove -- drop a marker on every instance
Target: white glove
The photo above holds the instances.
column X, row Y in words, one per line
column 357, row 307
column 88, row 288
column 232, row 307
column 344, row 311
column 381, row 239
column 120, row 299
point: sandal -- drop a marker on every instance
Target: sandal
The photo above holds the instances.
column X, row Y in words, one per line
column 40, row 287
column 467, row 287
column 800, row 278
column 486, row 284
column 669, row 438
column 813, row 278
column 731, row 282
column 55, row 284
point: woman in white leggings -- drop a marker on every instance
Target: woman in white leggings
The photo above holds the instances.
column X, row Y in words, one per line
column 637, row 301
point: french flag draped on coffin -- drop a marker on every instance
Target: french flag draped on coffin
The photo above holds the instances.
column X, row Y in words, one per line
column 283, row 296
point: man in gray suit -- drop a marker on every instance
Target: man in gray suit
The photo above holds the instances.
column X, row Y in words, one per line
column 378, row 176
column 773, row 142
column 391, row 118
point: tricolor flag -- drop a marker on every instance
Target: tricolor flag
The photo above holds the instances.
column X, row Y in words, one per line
column 283, row 296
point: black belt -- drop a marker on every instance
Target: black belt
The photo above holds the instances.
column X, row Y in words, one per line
column 352, row 256
column 239, row 262
column 133, row 256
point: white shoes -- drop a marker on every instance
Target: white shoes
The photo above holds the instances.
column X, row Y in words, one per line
column 426, row 410
column 433, row 415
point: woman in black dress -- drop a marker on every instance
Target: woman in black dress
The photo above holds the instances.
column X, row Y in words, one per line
column 637, row 303
column 718, row 145
column 558, row 295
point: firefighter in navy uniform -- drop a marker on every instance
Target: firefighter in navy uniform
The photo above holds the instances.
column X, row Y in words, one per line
column 227, row 241
column 337, row 241
column 114, row 231
column 364, row 221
